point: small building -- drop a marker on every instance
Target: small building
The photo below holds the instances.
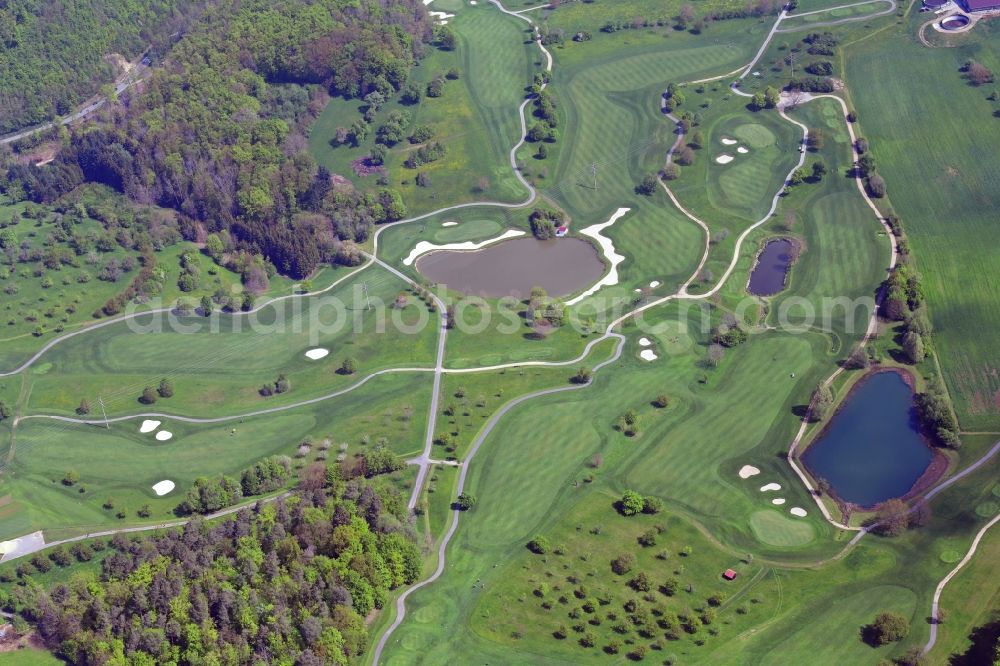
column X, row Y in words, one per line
column 562, row 231
column 729, row 574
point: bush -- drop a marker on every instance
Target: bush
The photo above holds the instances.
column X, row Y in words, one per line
column 631, row 503
column 539, row 544
column 647, row 187
column 622, row 564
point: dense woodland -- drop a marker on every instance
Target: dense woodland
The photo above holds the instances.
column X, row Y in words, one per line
column 47, row 69
column 219, row 132
column 283, row 583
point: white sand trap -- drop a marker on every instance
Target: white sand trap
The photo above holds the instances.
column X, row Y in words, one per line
column 798, row 511
column 317, row 354
column 164, row 435
column 423, row 247
column 726, row 141
column 645, row 342
column 161, row 488
column 724, row 159
column 608, row 248
column 747, row 471
column 648, row 355
column 449, row 224
column 769, row 487
column 149, row 426
column 441, row 17
column 778, row 500
column 654, row 284
column 743, row 150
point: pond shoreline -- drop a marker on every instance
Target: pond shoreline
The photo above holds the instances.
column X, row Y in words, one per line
column 936, row 468
column 797, row 246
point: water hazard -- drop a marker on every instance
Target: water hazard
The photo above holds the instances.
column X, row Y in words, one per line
column 562, row 266
column 872, row 450
column 771, row 271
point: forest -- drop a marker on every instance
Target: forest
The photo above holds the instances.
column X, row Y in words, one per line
column 54, row 52
column 280, row 583
column 218, row 133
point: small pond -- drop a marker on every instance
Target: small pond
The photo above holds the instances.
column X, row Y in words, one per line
column 768, row 276
column 560, row 266
column 872, row 450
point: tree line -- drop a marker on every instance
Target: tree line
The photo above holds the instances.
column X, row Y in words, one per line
column 219, row 132
column 289, row 582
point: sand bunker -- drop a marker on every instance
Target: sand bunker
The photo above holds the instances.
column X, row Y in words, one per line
column 645, row 342
column 778, row 500
column 769, row 487
column 648, row 355
column 743, row 150
column 654, row 284
column 164, row 435
column 724, row 159
column 449, row 224
column 726, row 141
column 608, row 248
column 316, row 354
column 747, row 471
column 163, row 487
column 149, row 426
column 441, row 17
column 798, row 511
column 424, row 247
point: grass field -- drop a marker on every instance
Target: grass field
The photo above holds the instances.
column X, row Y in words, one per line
column 943, row 189
column 218, row 365
column 476, row 118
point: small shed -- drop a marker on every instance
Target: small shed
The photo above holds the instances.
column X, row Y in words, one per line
column 729, row 574
column 562, row 231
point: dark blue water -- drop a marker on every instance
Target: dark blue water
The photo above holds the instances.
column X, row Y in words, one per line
column 768, row 277
column 872, row 449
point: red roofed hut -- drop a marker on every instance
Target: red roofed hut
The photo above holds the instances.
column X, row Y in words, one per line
column 729, row 574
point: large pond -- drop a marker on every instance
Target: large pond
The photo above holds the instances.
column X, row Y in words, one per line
column 561, row 266
column 872, row 450
column 769, row 274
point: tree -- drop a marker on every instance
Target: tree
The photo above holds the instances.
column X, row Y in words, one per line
column 771, row 97
column 70, row 478
column 977, row 73
column 671, row 172
column 684, row 156
column 652, row 505
column 148, row 396
column 84, row 407
column 465, row 501
column 758, row 101
column 822, row 401
column 539, row 545
column 887, row 628
column 876, row 186
column 582, row 376
column 892, row 518
column 662, row 400
column 913, row 345
column 648, row 185
column 4, row 411
column 348, row 367
column 631, row 503
column 622, row 564
column 818, row 170
column 165, row 389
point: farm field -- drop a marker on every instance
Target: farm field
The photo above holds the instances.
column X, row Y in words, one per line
column 535, row 480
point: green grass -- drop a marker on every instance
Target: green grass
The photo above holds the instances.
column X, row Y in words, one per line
column 476, row 118
column 219, row 368
column 776, row 529
column 124, row 464
column 855, row 13
column 943, row 188
column 28, row 657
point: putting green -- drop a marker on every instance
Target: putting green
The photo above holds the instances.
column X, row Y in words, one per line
column 776, row 529
column 988, row 509
column 755, row 136
column 950, row 556
column 467, row 231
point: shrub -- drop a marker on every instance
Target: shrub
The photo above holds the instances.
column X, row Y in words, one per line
column 631, row 503
column 622, row 564
column 538, row 544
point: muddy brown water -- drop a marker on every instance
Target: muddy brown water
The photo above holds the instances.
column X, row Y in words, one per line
column 511, row 268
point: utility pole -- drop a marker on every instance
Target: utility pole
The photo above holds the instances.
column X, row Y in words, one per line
column 100, row 401
column 593, row 169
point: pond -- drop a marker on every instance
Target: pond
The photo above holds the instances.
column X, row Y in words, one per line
column 771, row 269
column 560, row 266
column 872, row 449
